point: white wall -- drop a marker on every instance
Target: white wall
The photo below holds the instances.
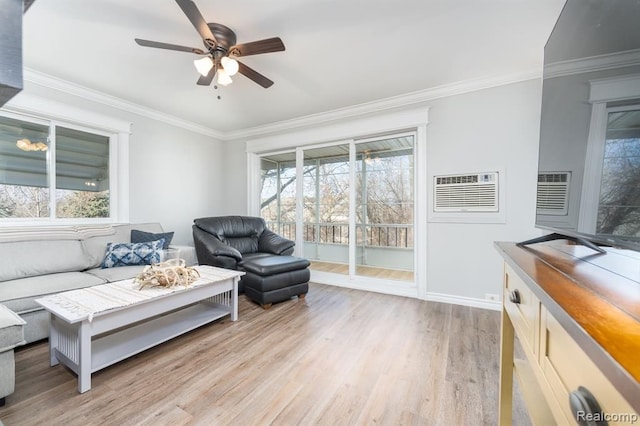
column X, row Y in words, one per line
column 235, row 178
column 175, row 175
column 485, row 130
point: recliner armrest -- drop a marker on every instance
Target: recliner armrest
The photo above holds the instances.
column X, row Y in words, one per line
column 207, row 243
column 270, row 242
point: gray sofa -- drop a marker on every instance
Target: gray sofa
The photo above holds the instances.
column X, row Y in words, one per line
column 41, row 261
column 38, row 261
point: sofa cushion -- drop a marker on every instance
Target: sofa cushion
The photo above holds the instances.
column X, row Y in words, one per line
column 116, row 274
column 21, row 259
column 127, row 254
column 11, row 329
column 19, row 295
column 138, row 236
column 96, row 247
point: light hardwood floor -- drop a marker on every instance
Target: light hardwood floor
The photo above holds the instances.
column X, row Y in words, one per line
column 367, row 271
column 338, row 357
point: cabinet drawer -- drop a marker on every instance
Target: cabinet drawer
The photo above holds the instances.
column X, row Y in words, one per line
column 566, row 367
column 523, row 310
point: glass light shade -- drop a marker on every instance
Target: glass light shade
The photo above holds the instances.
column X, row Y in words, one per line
column 24, row 144
column 27, row 145
column 230, row 65
column 223, row 78
column 203, row 65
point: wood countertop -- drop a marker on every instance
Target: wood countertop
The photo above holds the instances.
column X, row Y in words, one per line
column 595, row 297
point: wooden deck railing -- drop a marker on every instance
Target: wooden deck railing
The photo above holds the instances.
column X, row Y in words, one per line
column 380, row 235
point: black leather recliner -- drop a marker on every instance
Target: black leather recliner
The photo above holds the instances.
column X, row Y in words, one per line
column 227, row 241
column 244, row 243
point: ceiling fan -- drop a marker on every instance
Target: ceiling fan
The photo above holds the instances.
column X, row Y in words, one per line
column 220, row 50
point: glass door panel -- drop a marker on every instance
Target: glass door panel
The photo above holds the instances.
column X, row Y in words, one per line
column 326, row 208
column 385, row 208
column 278, row 193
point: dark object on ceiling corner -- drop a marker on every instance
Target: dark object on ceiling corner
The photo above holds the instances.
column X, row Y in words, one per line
column 11, row 48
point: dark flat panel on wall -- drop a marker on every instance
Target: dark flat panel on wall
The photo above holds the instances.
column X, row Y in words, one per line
column 27, row 4
column 10, row 49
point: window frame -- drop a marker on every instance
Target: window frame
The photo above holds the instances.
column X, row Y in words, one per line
column 53, row 115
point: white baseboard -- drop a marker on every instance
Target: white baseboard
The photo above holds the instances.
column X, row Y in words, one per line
column 398, row 288
column 464, row 301
column 395, row 288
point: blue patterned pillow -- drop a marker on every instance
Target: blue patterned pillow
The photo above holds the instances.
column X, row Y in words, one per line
column 126, row 254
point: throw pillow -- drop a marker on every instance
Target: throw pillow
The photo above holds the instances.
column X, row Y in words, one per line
column 144, row 237
column 126, row 254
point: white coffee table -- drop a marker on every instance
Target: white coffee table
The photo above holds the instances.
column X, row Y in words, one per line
column 82, row 321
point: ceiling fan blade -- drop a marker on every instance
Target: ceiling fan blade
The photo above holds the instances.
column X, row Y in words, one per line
column 191, row 10
column 254, row 75
column 267, row 45
column 157, row 44
column 205, row 80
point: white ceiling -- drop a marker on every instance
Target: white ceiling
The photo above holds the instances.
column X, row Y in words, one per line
column 338, row 53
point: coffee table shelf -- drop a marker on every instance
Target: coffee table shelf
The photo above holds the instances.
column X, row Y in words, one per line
column 88, row 343
column 115, row 347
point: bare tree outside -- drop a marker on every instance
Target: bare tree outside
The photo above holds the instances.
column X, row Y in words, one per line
column 619, row 208
column 384, row 187
column 17, row 201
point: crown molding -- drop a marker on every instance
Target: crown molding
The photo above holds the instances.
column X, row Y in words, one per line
column 394, row 102
column 608, row 61
column 68, row 87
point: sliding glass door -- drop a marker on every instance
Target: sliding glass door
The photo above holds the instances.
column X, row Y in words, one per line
column 385, row 208
column 357, row 202
column 326, row 208
column 278, row 193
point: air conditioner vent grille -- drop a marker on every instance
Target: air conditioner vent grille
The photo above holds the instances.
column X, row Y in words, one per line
column 553, row 177
column 449, row 180
column 466, row 193
column 552, row 196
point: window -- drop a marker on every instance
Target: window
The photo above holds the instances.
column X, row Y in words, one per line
column 619, row 201
column 53, row 171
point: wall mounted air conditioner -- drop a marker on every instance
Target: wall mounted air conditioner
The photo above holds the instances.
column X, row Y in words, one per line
column 552, row 196
column 477, row 192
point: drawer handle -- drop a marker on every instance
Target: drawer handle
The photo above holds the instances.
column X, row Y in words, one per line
column 585, row 408
column 514, row 297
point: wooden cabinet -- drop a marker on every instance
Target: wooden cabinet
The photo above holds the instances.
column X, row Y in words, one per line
column 579, row 330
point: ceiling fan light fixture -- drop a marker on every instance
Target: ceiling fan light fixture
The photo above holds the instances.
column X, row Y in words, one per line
column 230, row 65
column 223, row 78
column 203, row 65
column 219, row 47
